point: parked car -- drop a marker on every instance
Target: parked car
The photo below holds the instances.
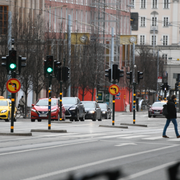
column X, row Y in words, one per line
column 156, row 109
column 5, row 109
column 105, row 110
column 93, row 111
column 39, row 110
column 74, row 108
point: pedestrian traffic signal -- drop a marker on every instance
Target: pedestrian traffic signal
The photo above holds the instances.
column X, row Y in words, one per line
column 129, row 76
column 49, row 64
column 108, row 74
column 12, row 60
column 139, row 76
column 21, row 63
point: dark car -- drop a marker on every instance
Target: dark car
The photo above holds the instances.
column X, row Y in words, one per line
column 156, row 109
column 93, row 111
column 39, row 110
column 74, row 108
column 105, row 110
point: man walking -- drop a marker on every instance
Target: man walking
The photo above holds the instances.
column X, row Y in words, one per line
column 172, row 115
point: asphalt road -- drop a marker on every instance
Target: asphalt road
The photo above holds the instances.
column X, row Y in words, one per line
column 88, row 147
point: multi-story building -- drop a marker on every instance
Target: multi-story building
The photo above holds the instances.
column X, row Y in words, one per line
column 158, row 27
column 94, row 17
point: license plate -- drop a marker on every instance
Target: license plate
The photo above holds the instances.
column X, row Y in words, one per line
column 42, row 115
column 156, row 112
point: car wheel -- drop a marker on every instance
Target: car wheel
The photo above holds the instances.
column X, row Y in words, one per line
column 8, row 118
column 154, row 116
column 71, row 119
column 32, row 120
column 106, row 116
column 39, row 120
column 94, row 119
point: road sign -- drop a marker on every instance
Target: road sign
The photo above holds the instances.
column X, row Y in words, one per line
column 13, row 85
column 113, row 89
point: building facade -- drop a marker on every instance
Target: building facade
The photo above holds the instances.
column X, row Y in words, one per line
column 158, row 27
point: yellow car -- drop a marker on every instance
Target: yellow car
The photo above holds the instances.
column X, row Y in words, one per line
column 5, row 110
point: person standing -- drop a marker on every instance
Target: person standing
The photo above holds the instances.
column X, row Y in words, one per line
column 172, row 115
column 22, row 103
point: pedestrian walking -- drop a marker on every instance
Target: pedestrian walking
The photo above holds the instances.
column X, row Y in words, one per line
column 22, row 104
column 171, row 117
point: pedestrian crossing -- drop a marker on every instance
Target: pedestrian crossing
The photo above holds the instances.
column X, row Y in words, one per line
column 104, row 136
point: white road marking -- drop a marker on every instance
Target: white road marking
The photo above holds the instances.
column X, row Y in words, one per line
column 126, row 144
column 147, row 171
column 96, row 163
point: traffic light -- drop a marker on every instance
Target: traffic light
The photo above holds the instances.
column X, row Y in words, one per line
column 12, row 60
column 5, row 62
column 49, row 64
column 108, row 74
column 117, row 73
column 21, row 63
column 65, row 73
column 176, row 86
column 129, row 76
column 57, row 66
column 162, row 87
column 139, row 76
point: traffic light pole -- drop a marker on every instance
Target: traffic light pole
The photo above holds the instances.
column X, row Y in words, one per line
column 113, row 117
column 60, row 100
column 134, row 103
column 13, row 95
column 49, row 102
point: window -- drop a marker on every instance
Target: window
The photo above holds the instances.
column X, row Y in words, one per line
column 165, row 22
column 164, row 56
column 166, row 4
column 153, row 40
column 3, row 19
column 142, row 21
column 154, row 21
column 154, row 4
column 165, row 40
column 143, row 4
column 142, row 40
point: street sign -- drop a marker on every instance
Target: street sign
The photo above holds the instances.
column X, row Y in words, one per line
column 13, row 85
column 113, row 89
column 159, row 79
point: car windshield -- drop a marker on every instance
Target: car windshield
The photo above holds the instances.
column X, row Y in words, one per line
column 158, row 104
column 44, row 102
column 88, row 104
column 103, row 106
column 3, row 103
column 69, row 101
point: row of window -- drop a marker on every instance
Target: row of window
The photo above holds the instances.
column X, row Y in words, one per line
column 154, row 21
column 142, row 40
column 153, row 3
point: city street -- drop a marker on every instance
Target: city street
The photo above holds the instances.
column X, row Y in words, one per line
column 87, row 147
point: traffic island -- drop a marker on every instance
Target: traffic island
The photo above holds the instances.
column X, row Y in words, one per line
column 125, row 127
column 48, row 130
column 141, row 125
column 15, row 134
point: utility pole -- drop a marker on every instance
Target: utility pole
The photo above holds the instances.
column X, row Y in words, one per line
column 69, row 52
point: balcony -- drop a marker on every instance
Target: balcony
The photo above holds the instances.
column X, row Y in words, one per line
column 154, row 29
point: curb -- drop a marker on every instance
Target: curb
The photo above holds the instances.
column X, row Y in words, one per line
column 60, row 122
column 52, row 131
column 125, row 127
column 141, row 125
column 16, row 134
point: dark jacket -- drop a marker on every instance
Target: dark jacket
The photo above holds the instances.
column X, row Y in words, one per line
column 171, row 109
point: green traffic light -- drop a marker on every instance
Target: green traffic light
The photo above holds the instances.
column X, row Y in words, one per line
column 12, row 66
column 49, row 70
